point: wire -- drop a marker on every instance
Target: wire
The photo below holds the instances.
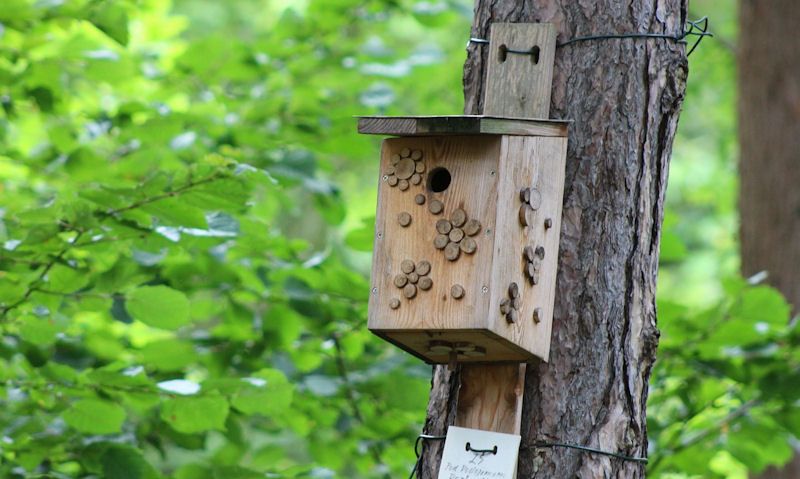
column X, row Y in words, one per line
column 696, row 28
column 541, row 444
column 535, row 445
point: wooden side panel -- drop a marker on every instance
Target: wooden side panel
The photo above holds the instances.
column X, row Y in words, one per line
column 472, row 164
column 516, row 85
column 538, row 163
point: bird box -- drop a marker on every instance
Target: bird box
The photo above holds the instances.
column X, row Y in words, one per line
column 466, row 236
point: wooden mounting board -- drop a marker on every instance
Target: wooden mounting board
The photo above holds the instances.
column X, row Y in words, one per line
column 459, row 125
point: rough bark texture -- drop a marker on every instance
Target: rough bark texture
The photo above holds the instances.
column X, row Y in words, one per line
column 769, row 123
column 624, row 97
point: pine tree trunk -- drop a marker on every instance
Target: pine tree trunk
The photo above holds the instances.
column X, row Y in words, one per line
column 769, row 122
column 624, row 97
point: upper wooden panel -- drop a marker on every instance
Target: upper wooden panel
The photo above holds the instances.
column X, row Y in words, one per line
column 459, row 125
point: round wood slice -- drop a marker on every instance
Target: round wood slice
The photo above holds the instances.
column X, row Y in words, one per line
column 540, row 251
column 404, row 219
column 436, row 207
column 395, row 159
column 423, row 268
column 410, row 291
column 525, row 195
column 405, row 152
column 477, row 352
column 452, row 251
column 420, row 167
column 416, row 179
column 439, row 347
column 528, row 252
column 392, row 180
column 535, row 199
column 416, row 154
column 405, row 168
column 440, row 241
column 456, row 235
column 523, row 214
column 468, row 245
column 505, row 306
column 413, row 278
column 513, row 290
column 458, row 218
column 443, row 227
column 512, row 316
column 403, row 185
column 472, row 227
column 394, row 303
column 425, row 283
column 407, row 266
column 537, row 315
column 400, row 280
column 457, row 291
column 419, row 199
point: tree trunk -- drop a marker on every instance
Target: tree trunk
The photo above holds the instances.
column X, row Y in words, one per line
column 624, row 97
column 769, row 122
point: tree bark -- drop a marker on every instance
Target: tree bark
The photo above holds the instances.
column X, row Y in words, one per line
column 769, row 122
column 624, row 97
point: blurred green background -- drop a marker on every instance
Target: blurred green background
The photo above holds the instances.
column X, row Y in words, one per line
column 186, row 220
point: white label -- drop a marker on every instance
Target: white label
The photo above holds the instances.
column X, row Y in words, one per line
column 472, row 453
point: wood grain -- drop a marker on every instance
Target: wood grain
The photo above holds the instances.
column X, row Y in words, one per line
column 459, row 125
column 484, row 405
column 519, row 85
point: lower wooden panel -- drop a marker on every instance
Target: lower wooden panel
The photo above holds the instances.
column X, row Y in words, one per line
column 418, row 342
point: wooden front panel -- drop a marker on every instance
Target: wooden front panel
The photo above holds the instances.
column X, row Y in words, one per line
column 538, row 163
column 472, row 165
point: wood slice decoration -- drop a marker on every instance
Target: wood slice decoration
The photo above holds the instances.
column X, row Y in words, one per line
column 407, row 266
column 394, row 303
column 456, row 235
column 423, row 268
column 440, row 241
column 457, row 291
column 404, row 219
column 419, row 199
column 532, row 263
column 452, row 251
column 509, row 307
column 468, row 245
column 472, row 227
column 425, row 283
column 458, row 218
column 436, row 207
column 405, row 170
column 413, row 278
column 443, row 227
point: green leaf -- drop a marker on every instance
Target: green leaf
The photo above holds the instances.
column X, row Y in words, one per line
column 191, row 415
column 39, row 331
column 112, row 19
column 267, row 393
column 158, row 306
column 93, row 416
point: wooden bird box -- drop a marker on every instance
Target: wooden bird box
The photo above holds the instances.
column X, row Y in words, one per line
column 466, row 240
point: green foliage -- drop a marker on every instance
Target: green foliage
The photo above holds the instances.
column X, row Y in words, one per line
column 185, row 221
column 177, row 298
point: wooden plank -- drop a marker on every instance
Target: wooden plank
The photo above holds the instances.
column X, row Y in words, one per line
column 491, row 396
column 517, row 85
column 459, row 125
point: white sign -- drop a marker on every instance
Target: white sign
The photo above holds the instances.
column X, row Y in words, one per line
column 472, row 453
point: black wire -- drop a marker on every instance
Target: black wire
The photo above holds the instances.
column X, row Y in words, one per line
column 540, row 444
column 535, row 445
column 696, row 28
